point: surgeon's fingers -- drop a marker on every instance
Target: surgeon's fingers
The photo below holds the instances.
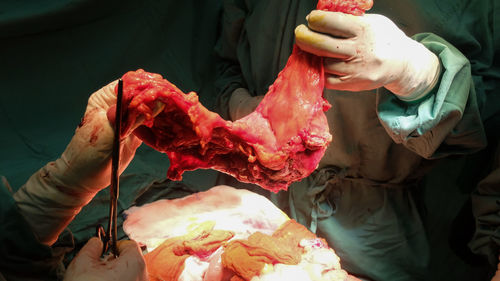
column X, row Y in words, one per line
column 335, row 82
column 335, row 66
column 157, row 109
column 324, row 45
column 134, row 122
column 342, row 67
column 349, row 82
column 128, row 247
column 104, row 97
column 131, row 255
column 334, row 23
column 92, row 250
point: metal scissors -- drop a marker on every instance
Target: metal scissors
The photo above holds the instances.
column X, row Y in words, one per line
column 109, row 238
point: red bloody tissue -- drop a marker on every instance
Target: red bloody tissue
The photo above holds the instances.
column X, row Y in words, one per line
column 281, row 142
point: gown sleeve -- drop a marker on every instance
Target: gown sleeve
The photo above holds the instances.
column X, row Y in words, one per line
column 22, row 256
column 447, row 120
column 486, row 210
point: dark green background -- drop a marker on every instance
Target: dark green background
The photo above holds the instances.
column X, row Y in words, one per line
column 55, row 54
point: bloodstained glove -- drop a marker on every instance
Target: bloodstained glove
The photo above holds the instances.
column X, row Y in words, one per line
column 368, row 52
column 88, row 265
column 54, row 195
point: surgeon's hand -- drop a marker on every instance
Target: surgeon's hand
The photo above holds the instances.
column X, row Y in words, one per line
column 368, row 52
column 88, row 265
column 242, row 103
column 51, row 197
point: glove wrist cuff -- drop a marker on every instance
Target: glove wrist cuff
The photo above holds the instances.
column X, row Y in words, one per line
column 47, row 204
column 424, row 90
column 419, row 76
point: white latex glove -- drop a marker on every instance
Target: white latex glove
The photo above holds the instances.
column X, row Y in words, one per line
column 54, row 195
column 242, row 103
column 368, row 52
column 88, row 265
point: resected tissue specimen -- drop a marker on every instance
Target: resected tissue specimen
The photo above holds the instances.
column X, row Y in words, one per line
column 281, row 142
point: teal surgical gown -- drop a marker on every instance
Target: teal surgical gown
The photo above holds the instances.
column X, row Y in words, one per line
column 365, row 196
column 22, row 257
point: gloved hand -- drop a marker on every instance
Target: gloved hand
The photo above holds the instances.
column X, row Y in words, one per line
column 242, row 103
column 88, row 265
column 54, row 195
column 368, row 52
